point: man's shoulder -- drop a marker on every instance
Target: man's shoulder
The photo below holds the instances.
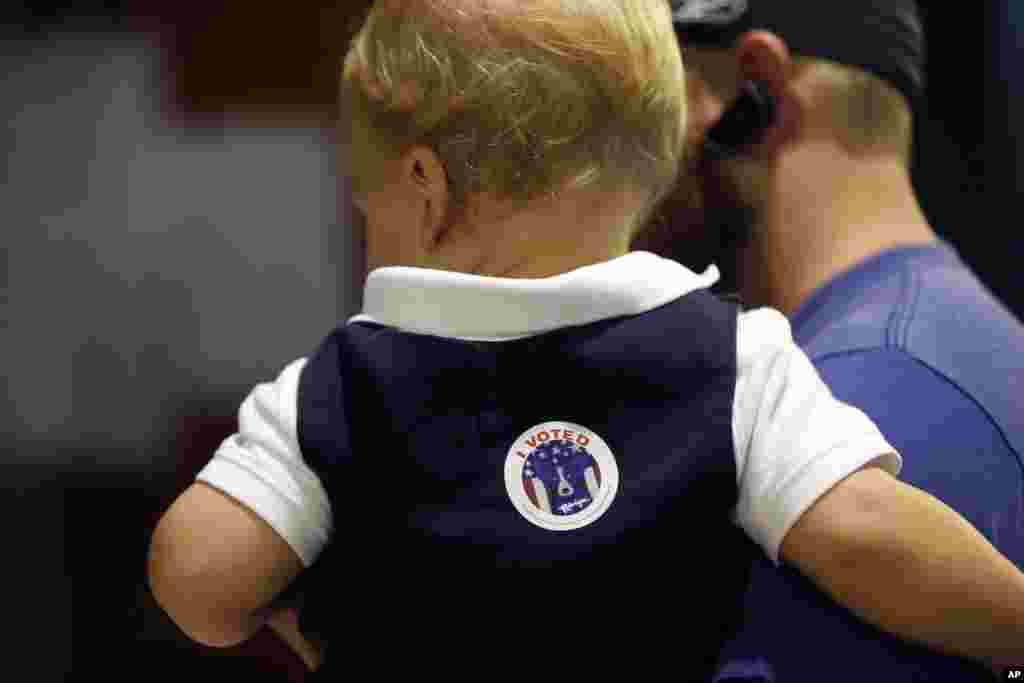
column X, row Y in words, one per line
column 926, row 308
column 940, row 331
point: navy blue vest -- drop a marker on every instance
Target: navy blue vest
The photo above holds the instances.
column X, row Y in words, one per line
column 409, row 435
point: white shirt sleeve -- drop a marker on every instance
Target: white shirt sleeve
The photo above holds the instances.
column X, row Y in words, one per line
column 261, row 467
column 794, row 440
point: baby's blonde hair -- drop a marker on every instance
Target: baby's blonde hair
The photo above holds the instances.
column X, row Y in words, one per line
column 519, row 98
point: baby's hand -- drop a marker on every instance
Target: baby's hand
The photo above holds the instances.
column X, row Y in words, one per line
column 285, row 623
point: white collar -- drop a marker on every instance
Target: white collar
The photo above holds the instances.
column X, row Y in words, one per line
column 474, row 308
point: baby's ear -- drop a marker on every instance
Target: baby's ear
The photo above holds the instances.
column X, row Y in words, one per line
column 427, row 180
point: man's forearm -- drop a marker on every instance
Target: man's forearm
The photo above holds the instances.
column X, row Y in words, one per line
column 950, row 589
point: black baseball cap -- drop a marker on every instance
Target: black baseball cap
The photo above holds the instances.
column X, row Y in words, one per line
column 883, row 37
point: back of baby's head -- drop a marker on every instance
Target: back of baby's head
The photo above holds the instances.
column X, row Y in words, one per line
column 519, row 98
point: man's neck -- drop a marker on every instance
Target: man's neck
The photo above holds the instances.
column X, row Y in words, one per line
column 833, row 222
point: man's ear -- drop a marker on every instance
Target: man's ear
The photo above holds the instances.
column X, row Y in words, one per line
column 765, row 58
column 427, row 184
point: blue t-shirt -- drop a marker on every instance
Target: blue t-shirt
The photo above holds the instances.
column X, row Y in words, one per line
column 916, row 341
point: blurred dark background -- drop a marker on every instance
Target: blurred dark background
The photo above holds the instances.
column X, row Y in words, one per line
column 175, row 231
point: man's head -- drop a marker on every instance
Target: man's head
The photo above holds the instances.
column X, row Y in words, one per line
column 844, row 77
column 458, row 115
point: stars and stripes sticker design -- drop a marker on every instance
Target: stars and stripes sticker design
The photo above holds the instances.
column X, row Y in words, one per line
column 561, row 476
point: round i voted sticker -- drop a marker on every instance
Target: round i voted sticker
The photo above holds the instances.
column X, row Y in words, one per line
column 561, row 476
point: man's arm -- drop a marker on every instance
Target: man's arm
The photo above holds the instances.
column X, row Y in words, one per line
column 215, row 567
column 905, row 562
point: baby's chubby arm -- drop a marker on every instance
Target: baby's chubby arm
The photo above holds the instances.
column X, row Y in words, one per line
column 818, row 490
column 904, row 561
